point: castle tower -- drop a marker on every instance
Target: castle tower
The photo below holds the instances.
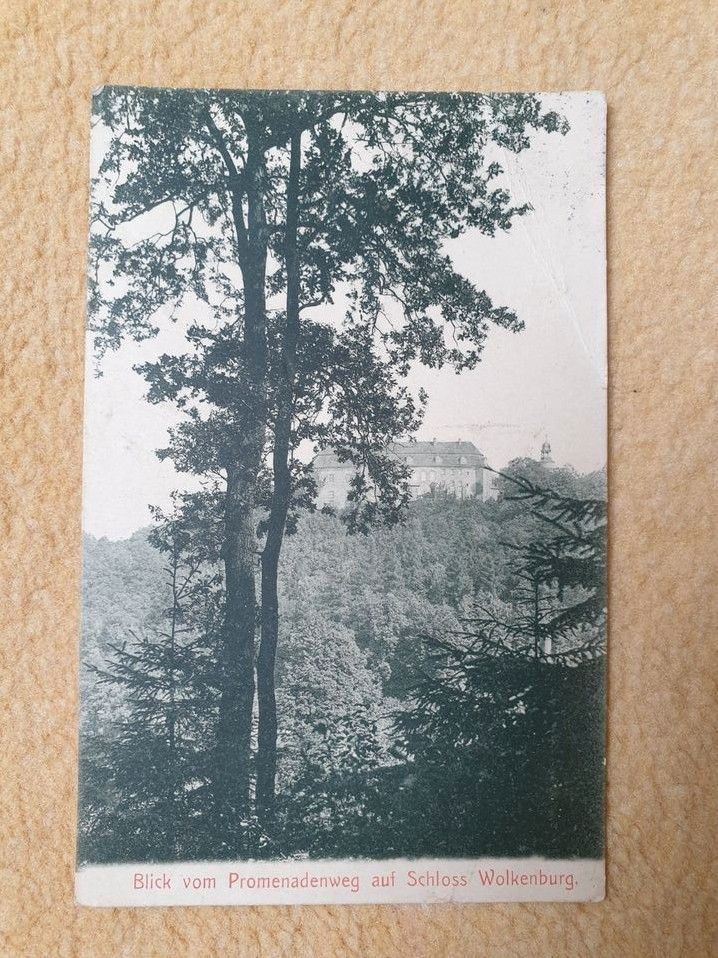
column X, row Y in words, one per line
column 546, row 460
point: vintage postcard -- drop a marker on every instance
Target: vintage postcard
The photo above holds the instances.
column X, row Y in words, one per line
column 344, row 561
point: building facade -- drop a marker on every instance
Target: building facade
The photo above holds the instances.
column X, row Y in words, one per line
column 453, row 468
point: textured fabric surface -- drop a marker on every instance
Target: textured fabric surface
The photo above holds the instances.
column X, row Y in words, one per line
column 657, row 63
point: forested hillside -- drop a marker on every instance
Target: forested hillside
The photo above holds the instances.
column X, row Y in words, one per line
column 372, row 627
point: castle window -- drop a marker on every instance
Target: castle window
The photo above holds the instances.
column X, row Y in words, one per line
column 462, row 460
column 437, row 458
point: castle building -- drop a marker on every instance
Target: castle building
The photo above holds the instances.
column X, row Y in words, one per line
column 453, row 468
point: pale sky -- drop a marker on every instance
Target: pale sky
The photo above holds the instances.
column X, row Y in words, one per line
column 547, row 381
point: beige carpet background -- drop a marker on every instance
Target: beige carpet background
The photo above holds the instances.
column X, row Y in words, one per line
column 657, row 63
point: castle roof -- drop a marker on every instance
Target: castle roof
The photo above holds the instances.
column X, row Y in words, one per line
column 417, row 454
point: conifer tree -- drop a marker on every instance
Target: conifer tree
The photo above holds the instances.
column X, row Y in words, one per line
column 158, row 758
column 560, row 602
column 505, row 726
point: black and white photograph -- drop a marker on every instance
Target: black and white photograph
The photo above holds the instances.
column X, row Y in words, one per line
column 344, row 498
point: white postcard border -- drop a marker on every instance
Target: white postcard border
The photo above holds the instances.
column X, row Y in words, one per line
column 341, row 882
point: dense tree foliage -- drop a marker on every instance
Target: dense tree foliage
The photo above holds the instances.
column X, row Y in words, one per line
column 418, row 712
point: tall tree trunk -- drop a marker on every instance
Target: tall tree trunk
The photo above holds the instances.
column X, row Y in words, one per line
column 266, row 660
column 234, row 733
column 234, row 736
